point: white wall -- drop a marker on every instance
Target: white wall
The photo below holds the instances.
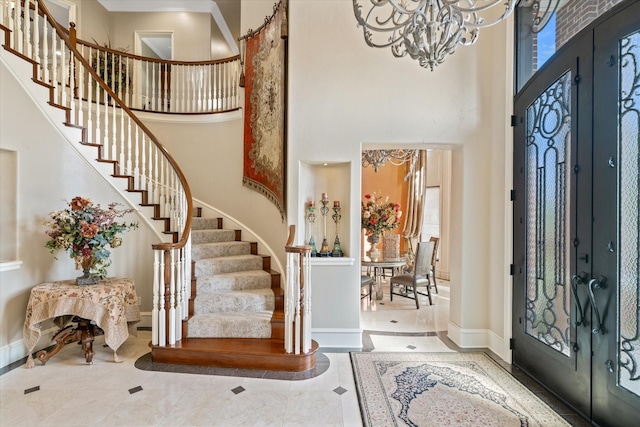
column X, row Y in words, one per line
column 343, row 94
column 50, row 172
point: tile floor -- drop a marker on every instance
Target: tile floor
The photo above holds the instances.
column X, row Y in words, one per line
column 67, row 392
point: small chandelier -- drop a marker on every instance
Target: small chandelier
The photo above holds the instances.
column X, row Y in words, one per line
column 426, row 30
column 377, row 158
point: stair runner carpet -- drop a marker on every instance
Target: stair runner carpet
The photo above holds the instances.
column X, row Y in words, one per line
column 233, row 293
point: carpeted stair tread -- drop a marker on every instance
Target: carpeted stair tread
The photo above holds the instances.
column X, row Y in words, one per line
column 212, row 236
column 230, row 264
column 250, row 300
column 199, row 223
column 231, row 325
column 236, row 281
column 219, row 249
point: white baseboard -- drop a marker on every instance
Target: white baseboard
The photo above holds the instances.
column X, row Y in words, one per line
column 477, row 338
column 16, row 350
column 145, row 320
column 338, row 337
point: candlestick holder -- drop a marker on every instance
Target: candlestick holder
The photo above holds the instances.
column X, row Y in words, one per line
column 337, row 250
column 324, row 210
column 311, row 219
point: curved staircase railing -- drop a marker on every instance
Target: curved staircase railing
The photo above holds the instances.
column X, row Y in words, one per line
column 163, row 86
column 131, row 153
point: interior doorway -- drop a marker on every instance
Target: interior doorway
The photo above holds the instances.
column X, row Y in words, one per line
column 154, row 78
column 389, row 183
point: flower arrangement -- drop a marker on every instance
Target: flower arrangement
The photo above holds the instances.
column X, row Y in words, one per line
column 378, row 215
column 84, row 230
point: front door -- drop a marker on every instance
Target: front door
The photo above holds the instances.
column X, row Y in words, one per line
column 576, row 222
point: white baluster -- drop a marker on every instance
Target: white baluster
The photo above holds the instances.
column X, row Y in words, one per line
column 172, row 301
column 296, row 296
column 54, row 65
column 288, row 307
column 111, row 104
column 63, row 75
column 45, row 49
column 154, row 95
column 146, row 103
column 126, row 163
column 90, row 129
column 307, row 303
column 178, row 315
column 143, row 163
column 184, row 86
column 36, row 39
column 136, row 163
column 81, row 95
column 27, row 28
column 155, row 181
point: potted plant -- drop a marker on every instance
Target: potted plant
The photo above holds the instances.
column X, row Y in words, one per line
column 84, row 231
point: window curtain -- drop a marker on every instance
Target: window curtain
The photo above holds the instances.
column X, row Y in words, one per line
column 417, row 183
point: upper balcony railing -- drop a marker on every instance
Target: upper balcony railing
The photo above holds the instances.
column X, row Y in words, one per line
column 163, row 86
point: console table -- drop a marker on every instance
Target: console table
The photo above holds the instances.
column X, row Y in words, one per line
column 109, row 307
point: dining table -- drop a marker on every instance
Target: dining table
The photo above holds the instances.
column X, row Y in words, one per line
column 376, row 269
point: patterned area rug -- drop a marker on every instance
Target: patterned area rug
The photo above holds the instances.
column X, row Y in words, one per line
column 444, row 389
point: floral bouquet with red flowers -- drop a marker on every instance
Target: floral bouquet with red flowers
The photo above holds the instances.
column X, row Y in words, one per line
column 379, row 215
column 84, row 230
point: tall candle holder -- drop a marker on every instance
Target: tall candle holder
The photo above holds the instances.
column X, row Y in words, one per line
column 311, row 219
column 324, row 210
column 337, row 250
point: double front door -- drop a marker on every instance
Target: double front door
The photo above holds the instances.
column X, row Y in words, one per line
column 576, row 320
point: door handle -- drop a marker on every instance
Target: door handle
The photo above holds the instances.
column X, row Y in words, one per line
column 598, row 283
column 579, row 279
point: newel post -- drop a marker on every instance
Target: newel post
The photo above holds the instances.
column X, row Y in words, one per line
column 72, row 34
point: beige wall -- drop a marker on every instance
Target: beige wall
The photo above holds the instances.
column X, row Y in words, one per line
column 211, row 156
column 93, row 21
column 192, row 31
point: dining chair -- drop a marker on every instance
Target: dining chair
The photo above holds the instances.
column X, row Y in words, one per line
column 366, row 281
column 408, row 284
column 434, row 258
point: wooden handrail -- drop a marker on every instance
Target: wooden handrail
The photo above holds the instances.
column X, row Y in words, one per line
column 66, row 37
column 157, row 60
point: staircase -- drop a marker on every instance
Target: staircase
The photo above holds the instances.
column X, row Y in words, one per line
column 237, row 298
column 233, row 314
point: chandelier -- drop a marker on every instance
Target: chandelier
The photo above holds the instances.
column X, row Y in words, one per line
column 377, row 158
column 427, row 30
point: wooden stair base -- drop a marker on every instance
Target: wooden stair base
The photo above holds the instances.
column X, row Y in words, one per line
column 244, row 353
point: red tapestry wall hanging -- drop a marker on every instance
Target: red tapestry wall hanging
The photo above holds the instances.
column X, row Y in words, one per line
column 264, row 115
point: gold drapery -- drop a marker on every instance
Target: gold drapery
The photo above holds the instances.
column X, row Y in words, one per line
column 417, row 184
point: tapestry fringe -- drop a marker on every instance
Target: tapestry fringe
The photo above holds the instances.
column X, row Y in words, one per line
column 256, row 186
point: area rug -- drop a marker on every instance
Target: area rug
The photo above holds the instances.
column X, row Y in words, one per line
column 444, row 389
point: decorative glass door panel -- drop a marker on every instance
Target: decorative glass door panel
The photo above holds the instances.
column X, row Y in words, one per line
column 548, row 136
column 629, row 208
